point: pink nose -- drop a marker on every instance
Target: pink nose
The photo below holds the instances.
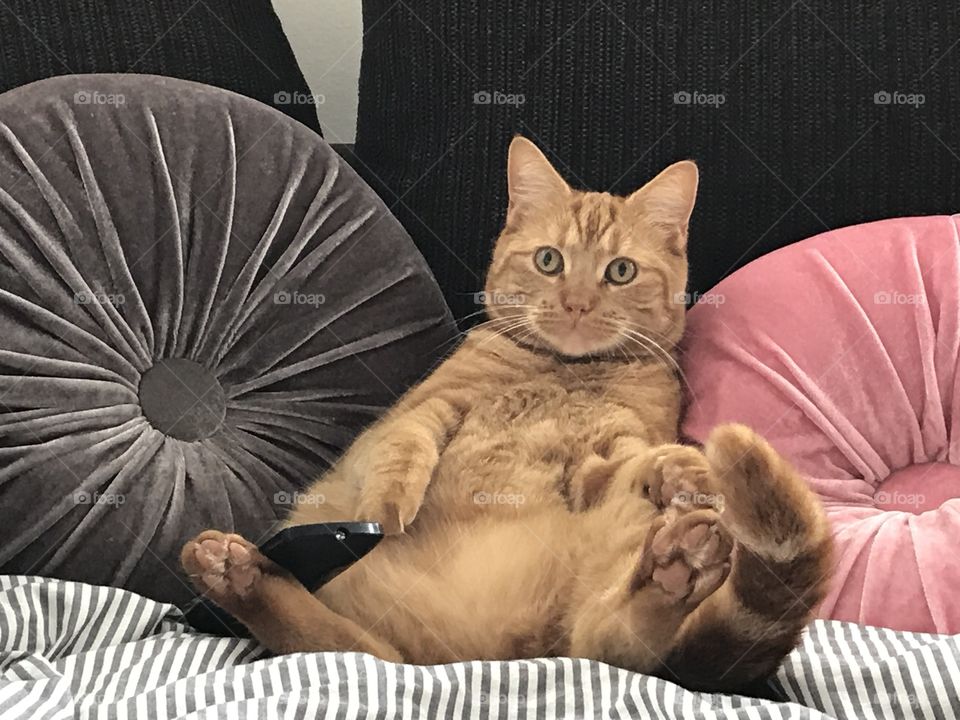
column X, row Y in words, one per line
column 577, row 306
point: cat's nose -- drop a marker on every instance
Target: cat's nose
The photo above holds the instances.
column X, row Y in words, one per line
column 578, row 305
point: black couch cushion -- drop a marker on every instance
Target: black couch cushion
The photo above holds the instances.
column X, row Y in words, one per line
column 777, row 101
column 238, row 45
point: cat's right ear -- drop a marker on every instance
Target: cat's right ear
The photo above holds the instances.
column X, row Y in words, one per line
column 531, row 179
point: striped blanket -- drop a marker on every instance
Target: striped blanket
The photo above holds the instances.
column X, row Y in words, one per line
column 74, row 650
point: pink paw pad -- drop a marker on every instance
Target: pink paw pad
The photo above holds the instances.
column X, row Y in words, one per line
column 688, row 558
column 223, row 565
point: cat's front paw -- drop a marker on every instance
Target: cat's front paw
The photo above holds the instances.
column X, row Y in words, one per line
column 679, row 476
column 223, row 566
column 392, row 503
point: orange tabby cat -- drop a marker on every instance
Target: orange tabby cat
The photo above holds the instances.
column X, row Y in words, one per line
column 535, row 497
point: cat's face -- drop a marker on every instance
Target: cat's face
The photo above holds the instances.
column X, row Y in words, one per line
column 586, row 273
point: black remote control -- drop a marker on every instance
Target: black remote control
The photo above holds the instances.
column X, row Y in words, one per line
column 314, row 554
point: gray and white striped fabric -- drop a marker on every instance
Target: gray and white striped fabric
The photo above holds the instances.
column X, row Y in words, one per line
column 74, row 650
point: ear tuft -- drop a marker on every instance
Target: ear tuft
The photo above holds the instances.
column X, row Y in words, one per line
column 531, row 180
column 668, row 199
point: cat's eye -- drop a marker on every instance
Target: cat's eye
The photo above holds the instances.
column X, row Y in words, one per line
column 620, row 271
column 548, row 260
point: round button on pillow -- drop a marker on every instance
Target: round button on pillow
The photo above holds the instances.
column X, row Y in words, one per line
column 843, row 351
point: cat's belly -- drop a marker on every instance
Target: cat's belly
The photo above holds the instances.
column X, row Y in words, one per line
column 440, row 595
column 521, row 449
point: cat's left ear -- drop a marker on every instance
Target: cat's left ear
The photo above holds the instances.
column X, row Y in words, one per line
column 668, row 199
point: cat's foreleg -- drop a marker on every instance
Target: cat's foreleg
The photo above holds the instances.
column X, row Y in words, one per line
column 396, row 461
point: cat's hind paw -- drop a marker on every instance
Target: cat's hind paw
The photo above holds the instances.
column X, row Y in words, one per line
column 679, row 476
column 223, row 566
column 687, row 557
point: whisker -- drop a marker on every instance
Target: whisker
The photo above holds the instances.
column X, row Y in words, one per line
column 482, row 310
column 461, row 334
column 647, row 331
column 651, row 345
column 642, row 339
column 523, row 321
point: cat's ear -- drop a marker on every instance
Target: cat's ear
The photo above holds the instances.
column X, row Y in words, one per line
column 668, row 199
column 531, row 179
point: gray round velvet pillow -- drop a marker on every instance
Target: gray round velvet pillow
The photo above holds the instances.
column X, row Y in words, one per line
column 200, row 307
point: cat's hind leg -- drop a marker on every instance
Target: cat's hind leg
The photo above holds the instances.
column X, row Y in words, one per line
column 633, row 614
column 277, row 609
column 780, row 573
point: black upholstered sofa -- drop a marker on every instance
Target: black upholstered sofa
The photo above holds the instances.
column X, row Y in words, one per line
column 202, row 303
column 803, row 116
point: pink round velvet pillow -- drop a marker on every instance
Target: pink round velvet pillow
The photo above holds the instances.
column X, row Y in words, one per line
column 842, row 350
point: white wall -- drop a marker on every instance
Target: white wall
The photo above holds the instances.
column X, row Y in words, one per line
column 327, row 36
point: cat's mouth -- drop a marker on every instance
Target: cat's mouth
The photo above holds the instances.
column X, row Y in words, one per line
column 577, row 338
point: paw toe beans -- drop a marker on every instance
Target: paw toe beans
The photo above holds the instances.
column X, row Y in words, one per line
column 688, row 558
column 674, row 577
column 678, row 475
column 221, row 564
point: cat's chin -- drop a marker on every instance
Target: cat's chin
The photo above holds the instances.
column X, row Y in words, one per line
column 579, row 344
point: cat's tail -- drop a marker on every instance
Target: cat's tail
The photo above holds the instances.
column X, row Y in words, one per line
column 781, row 569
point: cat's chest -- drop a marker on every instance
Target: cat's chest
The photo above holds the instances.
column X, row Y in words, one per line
column 532, row 403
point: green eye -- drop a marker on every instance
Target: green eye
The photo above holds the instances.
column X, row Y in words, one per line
column 548, row 260
column 621, row 271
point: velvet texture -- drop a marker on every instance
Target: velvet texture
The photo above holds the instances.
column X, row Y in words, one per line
column 843, row 351
column 200, row 306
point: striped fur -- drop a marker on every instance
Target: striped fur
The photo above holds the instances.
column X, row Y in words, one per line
column 534, row 494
